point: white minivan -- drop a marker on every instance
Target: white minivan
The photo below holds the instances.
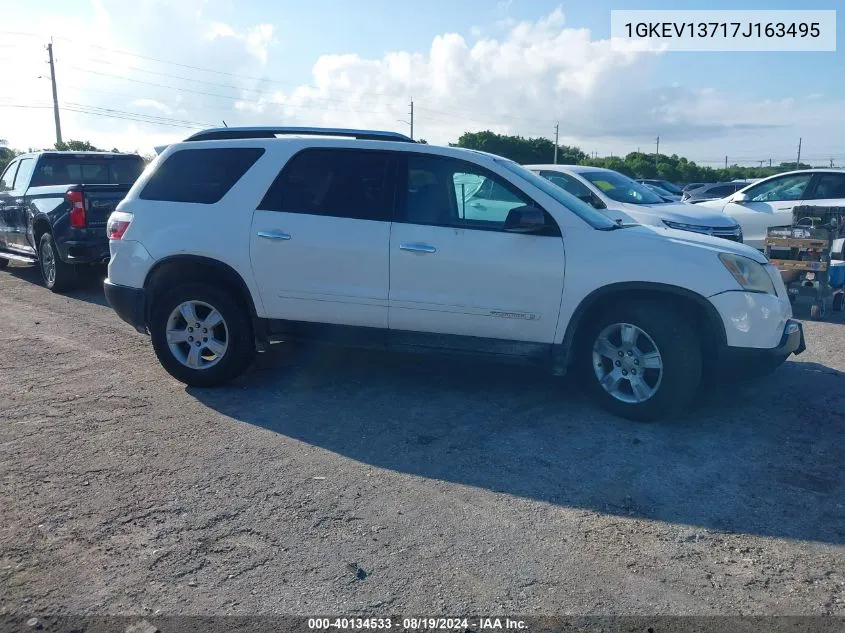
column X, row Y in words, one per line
column 623, row 199
column 238, row 238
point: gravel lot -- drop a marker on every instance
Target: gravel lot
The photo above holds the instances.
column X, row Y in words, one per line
column 355, row 483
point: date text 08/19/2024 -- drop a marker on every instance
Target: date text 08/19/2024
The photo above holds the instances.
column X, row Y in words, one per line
column 417, row 624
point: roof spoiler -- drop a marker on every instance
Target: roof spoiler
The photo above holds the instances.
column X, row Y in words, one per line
column 220, row 133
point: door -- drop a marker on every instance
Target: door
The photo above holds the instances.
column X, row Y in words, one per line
column 7, row 200
column 320, row 238
column 769, row 203
column 17, row 213
column 453, row 268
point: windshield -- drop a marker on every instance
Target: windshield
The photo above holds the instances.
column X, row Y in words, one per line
column 668, row 186
column 621, row 188
column 660, row 191
column 581, row 209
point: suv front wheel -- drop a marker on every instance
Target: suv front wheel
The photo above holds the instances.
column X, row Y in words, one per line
column 641, row 360
column 202, row 337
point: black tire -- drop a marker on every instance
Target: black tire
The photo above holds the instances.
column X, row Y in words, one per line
column 676, row 342
column 240, row 345
column 63, row 276
column 3, row 262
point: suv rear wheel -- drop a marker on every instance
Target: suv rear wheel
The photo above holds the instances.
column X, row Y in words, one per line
column 641, row 360
column 202, row 337
column 3, row 262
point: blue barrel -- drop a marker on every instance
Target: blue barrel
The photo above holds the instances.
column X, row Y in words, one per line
column 837, row 274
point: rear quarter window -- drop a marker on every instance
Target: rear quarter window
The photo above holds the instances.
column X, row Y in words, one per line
column 200, row 176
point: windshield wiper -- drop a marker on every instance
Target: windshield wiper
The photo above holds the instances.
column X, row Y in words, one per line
column 618, row 225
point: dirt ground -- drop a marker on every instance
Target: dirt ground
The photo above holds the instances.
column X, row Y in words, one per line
column 357, row 483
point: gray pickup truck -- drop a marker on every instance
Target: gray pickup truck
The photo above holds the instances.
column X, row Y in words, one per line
column 54, row 207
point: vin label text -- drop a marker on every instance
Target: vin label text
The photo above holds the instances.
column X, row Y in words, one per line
column 681, row 30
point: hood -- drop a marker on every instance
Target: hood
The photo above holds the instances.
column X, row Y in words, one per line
column 713, row 203
column 680, row 212
column 696, row 240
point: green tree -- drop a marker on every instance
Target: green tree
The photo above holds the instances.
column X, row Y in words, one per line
column 76, row 146
column 6, row 156
column 522, row 150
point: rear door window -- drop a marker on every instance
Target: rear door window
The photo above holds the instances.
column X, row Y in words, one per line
column 341, row 183
column 87, row 170
column 829, row 186
column 201, row 176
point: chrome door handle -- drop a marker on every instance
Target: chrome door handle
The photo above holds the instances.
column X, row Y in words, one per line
column 274, row 235
column 416, row 248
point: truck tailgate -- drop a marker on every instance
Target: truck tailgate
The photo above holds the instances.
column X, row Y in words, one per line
column 100, row 201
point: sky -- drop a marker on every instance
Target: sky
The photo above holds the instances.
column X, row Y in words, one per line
column 133, row 74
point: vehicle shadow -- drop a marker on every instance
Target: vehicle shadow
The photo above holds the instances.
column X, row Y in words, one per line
column 764, row 459
column 90, row 288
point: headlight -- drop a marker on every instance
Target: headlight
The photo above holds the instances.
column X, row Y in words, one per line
column 748, row 273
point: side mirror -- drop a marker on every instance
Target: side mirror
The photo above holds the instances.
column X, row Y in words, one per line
column 525, row 219
column 740, row 198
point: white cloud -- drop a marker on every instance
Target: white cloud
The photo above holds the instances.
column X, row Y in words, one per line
column 258, row 39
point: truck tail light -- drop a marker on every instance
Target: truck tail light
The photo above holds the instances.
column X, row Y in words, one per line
column 118, row 222
column 77, row 208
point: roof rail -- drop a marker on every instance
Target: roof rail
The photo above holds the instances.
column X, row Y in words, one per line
column 220, row 133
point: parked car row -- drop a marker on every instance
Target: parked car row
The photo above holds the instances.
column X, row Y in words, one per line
column 239, row 238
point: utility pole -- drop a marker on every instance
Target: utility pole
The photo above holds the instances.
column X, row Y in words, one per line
column 657, row 154
column 831, row 163
column 770, row 162
column 412, row 119
column 726, row 162
column 55, row 95
column 798, row 162
column 557, row 131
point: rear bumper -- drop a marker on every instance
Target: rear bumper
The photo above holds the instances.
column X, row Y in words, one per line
column 129, row 303
column 84, row 251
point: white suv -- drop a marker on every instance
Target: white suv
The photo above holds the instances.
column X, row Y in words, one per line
column 239, row 238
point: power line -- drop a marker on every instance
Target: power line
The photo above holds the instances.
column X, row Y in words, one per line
column 151, row 117
column 229, row 97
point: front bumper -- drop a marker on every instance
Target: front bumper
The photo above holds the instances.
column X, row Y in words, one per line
column 751, row 361
column 129, row 303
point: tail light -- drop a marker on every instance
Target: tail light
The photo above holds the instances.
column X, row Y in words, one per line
column 77, row 208
column 118, row 222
